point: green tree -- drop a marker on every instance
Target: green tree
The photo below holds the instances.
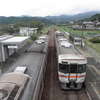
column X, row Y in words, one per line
column 35, row 24
column 7, row 29
column 19, row 24
column 33, row 36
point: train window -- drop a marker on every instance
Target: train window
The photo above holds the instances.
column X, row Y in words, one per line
column 64, row 68
column 73, row 68
column 81, row 68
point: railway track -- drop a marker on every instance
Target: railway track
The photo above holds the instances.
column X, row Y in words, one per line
column 52, row 89
column 77, row 95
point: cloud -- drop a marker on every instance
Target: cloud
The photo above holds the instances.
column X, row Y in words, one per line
column 47, row 7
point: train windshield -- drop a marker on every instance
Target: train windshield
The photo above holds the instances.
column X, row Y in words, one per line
column 64, row 68
column 72, row 68
column 81, row 68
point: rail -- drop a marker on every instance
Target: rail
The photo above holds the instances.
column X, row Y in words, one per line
column 77, row 95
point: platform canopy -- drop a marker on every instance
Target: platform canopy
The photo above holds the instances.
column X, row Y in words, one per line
column 10, row 45
column 14, row 40
column 4, row 37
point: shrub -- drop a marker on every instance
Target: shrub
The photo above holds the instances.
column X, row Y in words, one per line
column 33, row 37
column 29, row 41
column 95, row 40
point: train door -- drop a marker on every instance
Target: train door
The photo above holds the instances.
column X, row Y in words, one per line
column 73, row 71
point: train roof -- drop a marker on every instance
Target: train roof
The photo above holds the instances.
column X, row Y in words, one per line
column 13, row 78
column 33, row 59
column 67, row 52
column 10, row 84
column 65, row 47
column 72, row 57
column 65, row 44
column 43, row 37
column 41, row 47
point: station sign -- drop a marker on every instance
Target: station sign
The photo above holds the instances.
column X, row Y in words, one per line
column 13, row 47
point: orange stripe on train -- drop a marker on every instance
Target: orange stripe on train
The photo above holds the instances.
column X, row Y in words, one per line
column 71, row 76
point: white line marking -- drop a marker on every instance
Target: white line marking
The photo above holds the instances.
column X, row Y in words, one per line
column 95, row 90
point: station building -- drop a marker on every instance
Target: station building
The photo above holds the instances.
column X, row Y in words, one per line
column 10, row 44
column 76, row 39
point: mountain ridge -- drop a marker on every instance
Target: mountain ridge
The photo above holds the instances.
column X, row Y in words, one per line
column 48, row 19
column 67, row 18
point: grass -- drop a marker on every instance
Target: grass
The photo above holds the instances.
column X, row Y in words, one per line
column 79, row 32
column 45, row 30
column 94, row 46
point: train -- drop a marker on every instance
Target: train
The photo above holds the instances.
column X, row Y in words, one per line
column 24, row 80
column 12, row 84
column 71, row 63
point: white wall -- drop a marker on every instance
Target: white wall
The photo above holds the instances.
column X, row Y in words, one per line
column 77, row 41
column 27, row 31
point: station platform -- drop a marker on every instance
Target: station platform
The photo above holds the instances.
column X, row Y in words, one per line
column 6, row 65
column 92, row 81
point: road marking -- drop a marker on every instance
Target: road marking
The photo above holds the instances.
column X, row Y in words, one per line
column 88, row 94
column 92, row 66
column 92, row 71
column 95, row 89
column 11, row 58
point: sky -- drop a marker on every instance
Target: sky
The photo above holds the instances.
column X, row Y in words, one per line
column 47, row 7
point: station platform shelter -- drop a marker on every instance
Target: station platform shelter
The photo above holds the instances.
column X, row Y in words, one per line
column 9, row 45
column 76, row 39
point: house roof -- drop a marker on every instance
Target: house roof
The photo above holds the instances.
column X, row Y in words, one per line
column 24, row 28
column 89, row 23
column 28, row 28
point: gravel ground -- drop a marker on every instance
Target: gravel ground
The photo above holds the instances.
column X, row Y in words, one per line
column 52, row 89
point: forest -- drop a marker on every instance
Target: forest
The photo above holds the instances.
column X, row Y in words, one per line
column 9, row 20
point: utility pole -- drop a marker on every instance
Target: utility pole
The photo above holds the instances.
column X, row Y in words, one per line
column 82, row 37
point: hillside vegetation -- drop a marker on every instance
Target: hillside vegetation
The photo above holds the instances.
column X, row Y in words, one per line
column 67, row 18
column 11, row 20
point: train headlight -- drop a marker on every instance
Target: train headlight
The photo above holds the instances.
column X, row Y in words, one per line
column 61, row 75
column 82, row 75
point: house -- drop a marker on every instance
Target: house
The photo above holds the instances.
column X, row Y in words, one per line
column 89, row 25
column 98, row 25
column 27, row 31
column 71, row 22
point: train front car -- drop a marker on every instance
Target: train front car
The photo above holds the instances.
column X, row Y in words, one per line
column 71, row 64
column 71, row 70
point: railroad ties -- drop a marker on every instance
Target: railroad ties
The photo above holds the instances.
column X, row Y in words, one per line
column 52, row 89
